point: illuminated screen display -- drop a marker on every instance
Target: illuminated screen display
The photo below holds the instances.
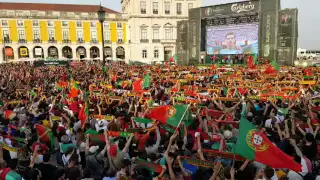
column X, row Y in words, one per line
column 233, row 39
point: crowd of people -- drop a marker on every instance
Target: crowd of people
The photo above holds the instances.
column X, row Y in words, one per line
column 89, row 121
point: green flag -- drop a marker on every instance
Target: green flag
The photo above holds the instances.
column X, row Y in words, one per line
column 275, row 65
column 146, row 81
column 104, row 69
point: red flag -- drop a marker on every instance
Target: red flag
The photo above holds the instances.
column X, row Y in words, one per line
column 83, row 114
column 213, row 58
column 160, row 114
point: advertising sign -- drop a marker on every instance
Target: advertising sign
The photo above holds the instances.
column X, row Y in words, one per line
column 50, row 63
column 182, row 44
column 194, row 35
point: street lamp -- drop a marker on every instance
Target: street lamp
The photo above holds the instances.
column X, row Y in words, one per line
column 101, row 17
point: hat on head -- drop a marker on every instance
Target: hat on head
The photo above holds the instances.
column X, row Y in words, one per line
column 93, row 149
column 65, row 139
column 113, row 150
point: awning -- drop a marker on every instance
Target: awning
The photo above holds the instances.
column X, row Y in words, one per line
column 9, row 51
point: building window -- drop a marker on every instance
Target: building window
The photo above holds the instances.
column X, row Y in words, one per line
column 4, row 23
column 179, row 7
column 94, row 35
column 92, row 24
column 156, row 34
column 143, row 7
column 64, row 23
column 20, row 23
column 119, row 25
column 120, row 36
column 6, row 35
column 35, row 23
column 190, row 5
column 79, row 24
column 155, row 7
column 156, row 53
column 51, row 34
column 107, row 35
column 106, row 25
column 65, row 35
column 168, row 33
column 144, row 54
column 80, row 35
column 21, row 35
column 144, row 34
column 167, row 7
column 36, row 34
column 50, row 23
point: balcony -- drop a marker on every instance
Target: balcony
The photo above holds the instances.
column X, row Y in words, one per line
column 37, row 41
column 120, row 41
column 143, row 11
column 66, row 41
column 179, row 12
column 155, row 11
column 7, row 41
column 144, row 40
column 107, row 41
column 22, row 41
column 52, row 41
column 156, row 40
column 167, row 12
column 80, row 41
column 94, row 41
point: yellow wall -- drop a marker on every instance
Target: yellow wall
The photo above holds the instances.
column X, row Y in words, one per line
column 13, row 30
column 124, row 32
column 29, row 33
column 58, row 30
column 44, row 31
column 99, row 32
column 113, row 27
column 86, row 31
column 72, row 32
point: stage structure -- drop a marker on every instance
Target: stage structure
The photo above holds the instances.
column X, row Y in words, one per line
column 249, row 27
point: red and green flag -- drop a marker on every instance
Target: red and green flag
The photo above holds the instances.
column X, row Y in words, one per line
column 139, row 85
column 84, row 112
column 74, row 91
column 173, row 58
column 49, row 137
column 254, row 145
column 169, row 115
column 275, row 65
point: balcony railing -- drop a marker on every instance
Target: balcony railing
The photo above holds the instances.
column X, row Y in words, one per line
column 120, row 41
column 107, row 41
column 155, row 40
column 67, row 41
column 7, row 41
column 80, row 41
column 155, row 11
column 144, row 40
column 179, row 12
column 22, row 41
column 94, row 41
column 52, row 41
column 167, row 12
column 37, row 41
column 143, row 11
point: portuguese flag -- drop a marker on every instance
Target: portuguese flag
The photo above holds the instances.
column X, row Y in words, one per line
column 255, row 145
column 84, row 112
column 169, row 115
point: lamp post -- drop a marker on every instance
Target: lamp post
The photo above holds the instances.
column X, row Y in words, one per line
column 101, row 17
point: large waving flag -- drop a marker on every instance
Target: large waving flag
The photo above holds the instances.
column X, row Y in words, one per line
column 255, row 145
column 49, row 137
column 84, row 111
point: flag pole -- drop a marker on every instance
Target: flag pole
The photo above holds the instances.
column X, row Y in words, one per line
column 182, row 118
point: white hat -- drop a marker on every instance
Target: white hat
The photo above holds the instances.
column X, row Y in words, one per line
column 227, row 134
column 93, row 149
column 100, row 123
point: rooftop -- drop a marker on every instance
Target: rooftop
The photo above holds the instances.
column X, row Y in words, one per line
column 54, row 7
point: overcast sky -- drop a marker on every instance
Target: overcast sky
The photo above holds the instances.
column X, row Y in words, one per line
column 308, row 15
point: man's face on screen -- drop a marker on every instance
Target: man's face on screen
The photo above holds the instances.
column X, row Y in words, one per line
column 230, row 41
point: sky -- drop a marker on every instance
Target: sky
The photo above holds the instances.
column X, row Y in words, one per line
column 308, row 14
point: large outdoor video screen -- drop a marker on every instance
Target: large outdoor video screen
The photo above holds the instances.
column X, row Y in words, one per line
column 233, row 39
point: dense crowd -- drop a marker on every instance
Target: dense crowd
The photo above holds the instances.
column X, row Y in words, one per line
column 89, row 121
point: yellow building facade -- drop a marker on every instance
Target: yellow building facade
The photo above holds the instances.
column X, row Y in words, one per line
column 74, row 33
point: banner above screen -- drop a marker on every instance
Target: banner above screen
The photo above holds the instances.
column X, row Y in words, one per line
column 232, row 8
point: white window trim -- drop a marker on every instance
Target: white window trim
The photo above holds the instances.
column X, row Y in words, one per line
column 24, row 34
column 48, row 24
column 77, row 24
column 91, row 35
column 143, row 53
column 54, row 33
column 38, row 23
column 105, row 32
column 121, row 36
column 81, row 33
column 153, row 30
column 6, row 21
column 65, row 30
column 119, row 27
column 18, row 23
column 36, row 29
column 154, row 51
column 8, row 33
column 65, row 26
column 94, row 26
column 106, row 27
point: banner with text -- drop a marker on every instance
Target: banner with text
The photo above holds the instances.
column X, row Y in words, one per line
column 194, row 35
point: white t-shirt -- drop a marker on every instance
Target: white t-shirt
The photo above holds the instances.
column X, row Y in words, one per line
column 292, row 175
